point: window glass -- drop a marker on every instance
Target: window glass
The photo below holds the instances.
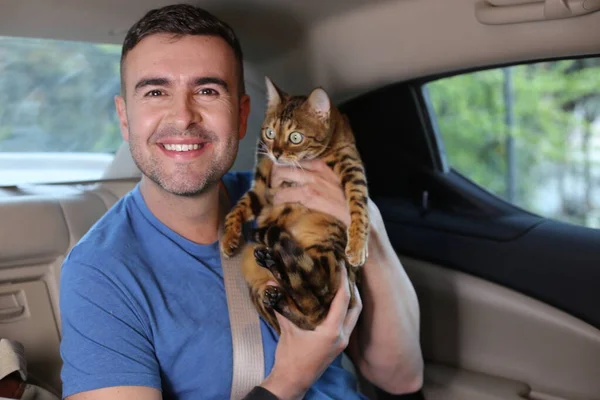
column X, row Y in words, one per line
column 527, row 133
column 56, row 98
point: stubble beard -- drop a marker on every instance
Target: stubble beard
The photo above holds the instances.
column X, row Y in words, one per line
column 181, row 182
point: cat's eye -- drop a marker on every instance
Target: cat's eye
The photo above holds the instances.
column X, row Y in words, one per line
column 296, row 137
column 270, row 133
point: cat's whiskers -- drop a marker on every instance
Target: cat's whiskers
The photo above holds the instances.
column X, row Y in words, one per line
column 262, row 148
column 297, row 165
column 276, row 161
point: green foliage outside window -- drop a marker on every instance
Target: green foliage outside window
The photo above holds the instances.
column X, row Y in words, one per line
column 58, row 96
column 555, row 134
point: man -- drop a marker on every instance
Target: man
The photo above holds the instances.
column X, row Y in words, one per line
column 142, row 298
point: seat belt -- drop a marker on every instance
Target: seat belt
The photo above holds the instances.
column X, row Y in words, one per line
column 248, row 356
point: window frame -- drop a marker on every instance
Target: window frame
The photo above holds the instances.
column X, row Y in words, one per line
column 462, row 182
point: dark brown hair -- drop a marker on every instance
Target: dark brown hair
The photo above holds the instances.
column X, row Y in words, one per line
column 180, row 20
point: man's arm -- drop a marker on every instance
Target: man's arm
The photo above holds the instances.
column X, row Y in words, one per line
column 146, row 393
column 385, row 346
column 119, row 393
column 105, row 350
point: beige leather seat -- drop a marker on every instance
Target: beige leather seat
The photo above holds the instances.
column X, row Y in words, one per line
column 39, row 227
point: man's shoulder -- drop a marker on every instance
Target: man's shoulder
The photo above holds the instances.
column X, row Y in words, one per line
column 108, row 238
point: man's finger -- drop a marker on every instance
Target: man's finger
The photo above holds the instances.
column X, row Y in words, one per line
column 330, row 203
column 353, row 313
column 314, row 165
column 280, row 174
column 285, row 325
column 295, row 194
column 319, row 166
column 339, row 306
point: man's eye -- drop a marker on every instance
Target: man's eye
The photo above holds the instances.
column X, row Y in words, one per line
column 208, row 92
column 154, row 93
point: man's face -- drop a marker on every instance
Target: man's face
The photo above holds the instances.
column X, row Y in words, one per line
column 182, row 113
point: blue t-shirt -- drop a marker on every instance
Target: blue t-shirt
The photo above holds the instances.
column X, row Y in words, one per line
column 143, row 306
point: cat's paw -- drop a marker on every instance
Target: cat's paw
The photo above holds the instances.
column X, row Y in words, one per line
column 230, row 241
column 264, row 257
column 267, row 258
column 356, row 251
column 272, row 296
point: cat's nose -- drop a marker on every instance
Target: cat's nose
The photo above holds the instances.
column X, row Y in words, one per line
column 277, row 154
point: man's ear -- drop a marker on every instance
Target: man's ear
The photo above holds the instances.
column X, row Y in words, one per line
column 244, row 115
column 122, row 113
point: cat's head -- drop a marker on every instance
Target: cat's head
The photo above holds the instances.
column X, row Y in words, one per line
column 295, row 128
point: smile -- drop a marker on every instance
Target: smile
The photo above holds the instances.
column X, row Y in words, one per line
column 182, row 147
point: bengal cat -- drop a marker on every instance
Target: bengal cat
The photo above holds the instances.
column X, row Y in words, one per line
column 299, row 248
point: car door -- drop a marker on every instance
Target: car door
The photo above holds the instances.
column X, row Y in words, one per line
column 508, row 295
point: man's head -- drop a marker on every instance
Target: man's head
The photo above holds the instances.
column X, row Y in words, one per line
column 180, row 20
column 182, row 106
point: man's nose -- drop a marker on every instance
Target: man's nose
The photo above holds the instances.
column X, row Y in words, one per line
column 184, row 112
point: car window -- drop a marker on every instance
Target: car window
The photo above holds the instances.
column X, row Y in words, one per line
column 57, row 116
column 527, row 133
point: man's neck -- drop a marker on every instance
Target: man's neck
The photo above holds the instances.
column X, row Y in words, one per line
column 195, row 218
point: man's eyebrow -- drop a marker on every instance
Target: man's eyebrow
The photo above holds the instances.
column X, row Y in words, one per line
column 151, row 82
column 211, row 79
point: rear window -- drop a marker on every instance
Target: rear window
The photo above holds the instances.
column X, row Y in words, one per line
column 57, row 115
column 528, row 133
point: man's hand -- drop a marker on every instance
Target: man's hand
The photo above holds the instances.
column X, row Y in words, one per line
column 302, row 356
column 318, row 188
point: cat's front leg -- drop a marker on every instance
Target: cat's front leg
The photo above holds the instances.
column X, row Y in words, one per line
column 358, row 231
column 349, row 168
column 247, row 208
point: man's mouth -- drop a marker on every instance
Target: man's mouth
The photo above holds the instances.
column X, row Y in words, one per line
column 182, row 147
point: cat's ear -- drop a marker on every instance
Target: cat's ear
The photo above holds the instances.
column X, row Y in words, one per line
column 274, row 94
column 319, row 102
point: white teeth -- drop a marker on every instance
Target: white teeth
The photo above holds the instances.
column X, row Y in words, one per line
column 182, row 147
